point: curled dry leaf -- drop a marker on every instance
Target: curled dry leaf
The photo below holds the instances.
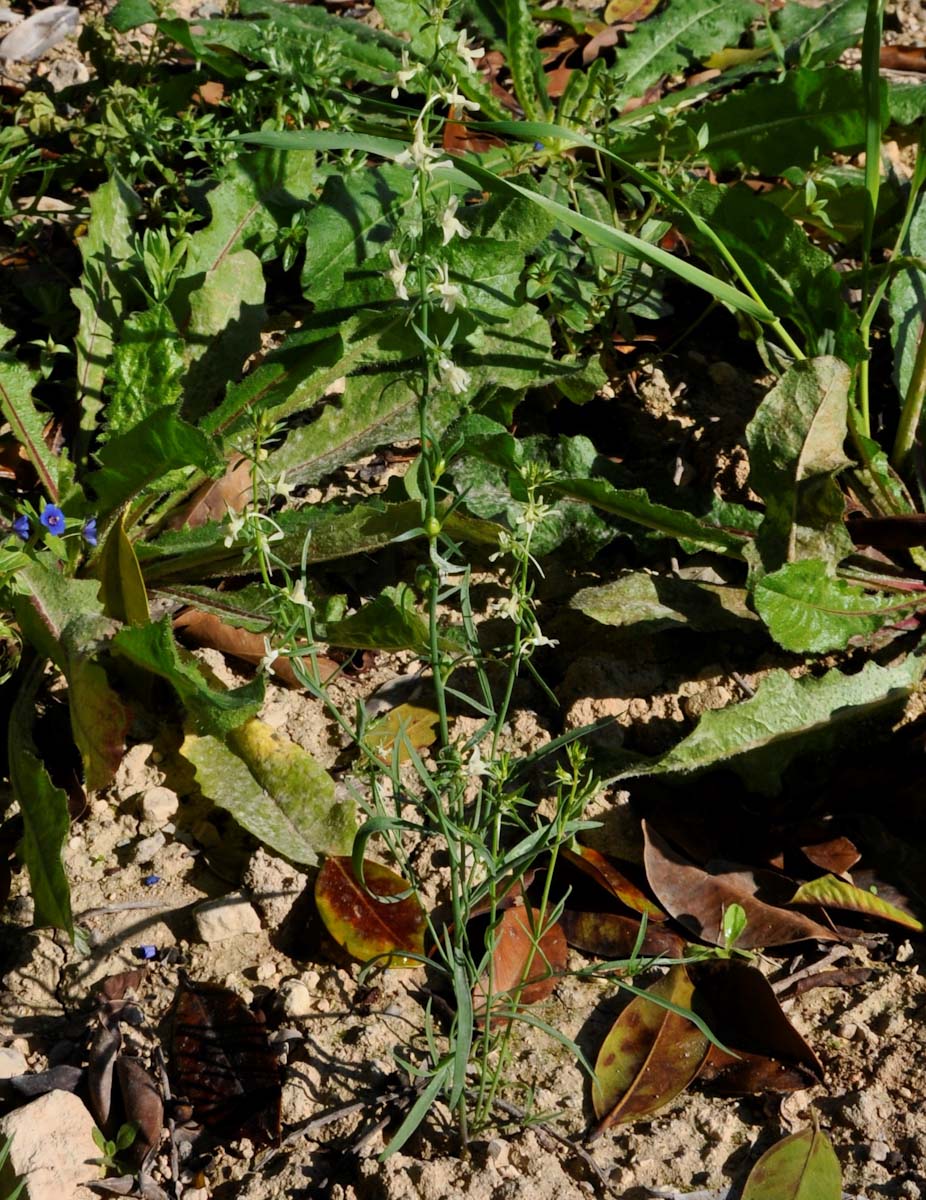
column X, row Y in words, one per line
column 608, row 935
column 605, row 873
column 222, row 1063
column 104, row 1050
column 524, row 968
column 206, row 629
column 365, row 926
column 214, row 499
column 836, row 893
column 698, row 899
column 803, row 1166
column 650, row 1055
column 143, row 1107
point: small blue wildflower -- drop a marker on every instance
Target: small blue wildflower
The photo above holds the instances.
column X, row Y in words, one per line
column 538, row 146
column 21, row 527
column 151, row 880
column 145, row 952
column 89, row 531
column 52, row 518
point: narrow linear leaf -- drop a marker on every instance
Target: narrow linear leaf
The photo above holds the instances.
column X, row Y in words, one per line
column 836, row 893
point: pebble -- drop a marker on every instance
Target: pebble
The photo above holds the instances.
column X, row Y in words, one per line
column 265, row 971
column 296, row 999
column 159, row 805
column 52, row 1148
column 148, row 847
column 12, row 1062
column 878, row 1151
column 227, row 917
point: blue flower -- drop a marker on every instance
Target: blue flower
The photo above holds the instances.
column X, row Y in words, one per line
column 21, row 527
column 52, row 518
column 538, row 146
column 89, row 531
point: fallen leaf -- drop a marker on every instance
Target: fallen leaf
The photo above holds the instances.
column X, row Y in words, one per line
column 836, row 893
column 406, row 723
column 698, row 899
column 650, row 1055
column 836, row 855
column 605, row 873
column 629, row 10
column 608, row 935
column 366, row 927
column 210, row 93
column 206, row 629
column 524, row 970
column 803, row 1166
column 222, row 1063
column 748, row 1074
column 213, row 500
column 104, row 1050
column 143, row 1107
column 114, row 987
column 838, row 977
column 903, row 58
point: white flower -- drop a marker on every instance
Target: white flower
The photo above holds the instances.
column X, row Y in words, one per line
column 455, row 378
column 538, row 639
column 282, row 488
column 509, row 608
column 453, row 99
column 396, row 275
column 468, row 56
column 476, row 765
column 405, row 74
column 297, row 596
column 419, row 154
column 236, row 522
column 449, row 223
column 270, row 657
column 449, row 293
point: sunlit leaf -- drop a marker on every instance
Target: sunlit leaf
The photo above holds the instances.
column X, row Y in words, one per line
column 610, row 936
column 803, row 1166
column 406, row 723
column 365, row 926
column 836, row 893
column 122, row 587
column 608, row 876
column 525, row 966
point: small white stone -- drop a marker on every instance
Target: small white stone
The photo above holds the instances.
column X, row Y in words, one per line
column 265, row 971
column 52, row 1148
column 12, row 1062
column 296, row 999
column 227, row 917
column 159, row 805
column 148, row 847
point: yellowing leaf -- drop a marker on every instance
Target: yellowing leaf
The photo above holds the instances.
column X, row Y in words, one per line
column 365, row 926
column 828, row 890
column 803, row 1166
column 405, row 724
column 733, row 57
column 629, row 10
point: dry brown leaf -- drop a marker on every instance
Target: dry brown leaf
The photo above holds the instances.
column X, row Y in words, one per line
column 217, row 496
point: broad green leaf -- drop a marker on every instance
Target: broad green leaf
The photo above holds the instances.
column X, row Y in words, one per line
column 810, row 611
column 836, row 893
column 146, row 372
column 46, row 602
column 275, row 790
column 104, row 249
column 244, row 608
column 524, row 61
column 389, row 622
column 908, row 300
column 794, row 277
column 795, row 451
column 129, row 14
column 146, row 454
column 819, row 34
column 26, row 422
column 122, row 588
column 635, row 506
column 642, row 602
column 650, row 1055
column 906, row 101
column 803, row 1166
column 212, row 710
column 678, row 38
column 44, row 810
column 368, row 927
column 760, row 737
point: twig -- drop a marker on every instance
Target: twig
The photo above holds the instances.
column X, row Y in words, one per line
column 833, row 956
column 551, row 1137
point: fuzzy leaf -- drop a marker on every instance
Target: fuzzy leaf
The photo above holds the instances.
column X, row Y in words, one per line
column 146, row 372
column 524, row 61
column 389, row 622
column 836, row 893
column 365, row 926
column 803, row 1166
column 18, row 409
column 275, row 790
column 810, row 611
column 641, row 602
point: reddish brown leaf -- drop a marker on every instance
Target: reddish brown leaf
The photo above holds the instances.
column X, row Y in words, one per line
column 206, row 629
column 903, row 58
column 608, row 935
column 838, row 977
column 698, row 899
column 738, row 1004
column 114, row 987
column 524, row 970
column 210, row 93
column 364, row 926
column 222, row 1063
column 459, row 139
column 650, row 1055
column 104, row 1050
column 605, row 873
column 837, row 855
column 213, row 500
column 143, row 1106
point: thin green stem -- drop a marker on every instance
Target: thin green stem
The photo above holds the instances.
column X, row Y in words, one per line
column 912, row 406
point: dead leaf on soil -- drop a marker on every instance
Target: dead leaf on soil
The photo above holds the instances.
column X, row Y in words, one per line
column 143, row 1107
column 222, row 1063
column 104, row 1050
column 524, row 969
column 903, row 58
column 836, row 855
column 698, row 899
column 650, row 1055
column 366, row 927
column 803, row 1166
column 213, row 500
column 836, row 893
column 406, row 723
column 629, row 10
column 605, row 873
column 609, row 935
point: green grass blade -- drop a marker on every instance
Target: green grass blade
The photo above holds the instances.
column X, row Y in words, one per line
column 419, row 1109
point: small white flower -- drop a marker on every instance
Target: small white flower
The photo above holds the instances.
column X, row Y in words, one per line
column 449, row 223
column 270, row 657
column 453, row 99
column 455, row 378
column 236, row 522
column 297, row 596
column 396, row 275
column 470, row 57
column 538, row 639
column 282, row 488
column 450, row 293
column 419, row 154
column 476, row 765
column 404, row 75
column 509, row 608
